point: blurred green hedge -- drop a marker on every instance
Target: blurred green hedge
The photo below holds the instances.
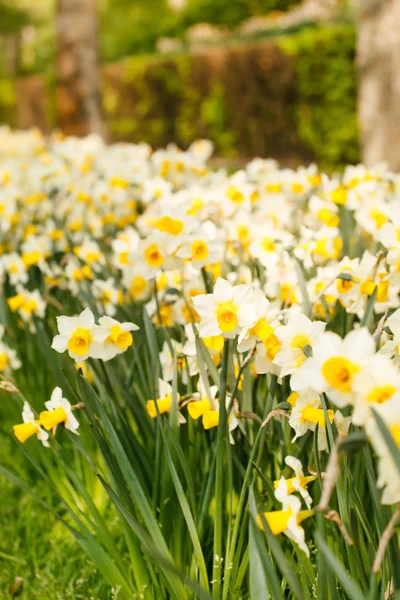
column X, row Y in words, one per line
column 291, row 97
column 294, row 95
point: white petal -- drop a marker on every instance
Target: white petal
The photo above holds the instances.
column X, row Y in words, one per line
column 66, row 325
column 223, row 291
column 86, row 318
column 60, row 343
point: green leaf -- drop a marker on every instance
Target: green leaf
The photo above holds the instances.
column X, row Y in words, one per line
column 332, row 563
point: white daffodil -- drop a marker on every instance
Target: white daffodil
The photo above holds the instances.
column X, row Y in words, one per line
column 297, row 340
column 187, row 366
column 334, row 365
column 163, row 403
column 201, row 402
column 227, row 310
column 15, row 268
column 79, row 336
column 288, row 519
column 30, row 427
column 8, row 358
column 59, row 410
column 107, row 295
column 117, row 337
column 267, row 319
column 299, row 482
column 202, row 246
column 307, row 413
column 155, row 253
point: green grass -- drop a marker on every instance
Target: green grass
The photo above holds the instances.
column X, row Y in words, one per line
column 37, row 548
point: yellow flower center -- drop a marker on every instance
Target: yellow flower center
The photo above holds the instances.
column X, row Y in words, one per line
column 215, row 343
column 278, row 519
column 118, row 182
column 328, row 217
column 262, row 329
column 24, row 431
column 339, row 196
column 234, row 194
column 29, row 306
column 367, row 287
column 395, row 431
column 382, row 292
column 166, row 315
column 210, row 419
column 292, row 398
column 124, row 258
column 273, row 188
column 138, row 286
column 300, row 340
column 304, row 481
column 273, row 345
column 15, row 302
column 315, row 180
column 227, row 316
column 163, row 404
column 153, row 256
column 377, row 216
column 197, row 204
column 169, row 225
column 316, row 416
column 13, row 268
column 199, row 408
column 381, row 394
column 51, row 418
column 344, row 285
column 86, row 371
column 84, row 273
column 268, row 244
column 31, row 258
column 79, row 342
column 199, row 250
column 3, row 361
column 338, row 372
column 243, row 233
column 119, row 337
column 297, row 188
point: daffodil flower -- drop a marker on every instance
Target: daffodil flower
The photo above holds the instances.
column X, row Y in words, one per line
column 225, row 311
column 79, row 336
column 117, row 337
column 288, row 519
column 30, row 427
column 299, row 482
column 59, row 410
column 163, row 403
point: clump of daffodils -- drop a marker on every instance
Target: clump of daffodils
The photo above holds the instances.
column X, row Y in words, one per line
column 84, row 339
column 58, row 411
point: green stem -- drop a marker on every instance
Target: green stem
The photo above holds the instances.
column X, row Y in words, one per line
column 222, row 435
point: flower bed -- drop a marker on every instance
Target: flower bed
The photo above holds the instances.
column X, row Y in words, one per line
column 203, row 367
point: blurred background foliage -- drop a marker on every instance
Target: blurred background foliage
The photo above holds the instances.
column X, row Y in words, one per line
column 167, row 76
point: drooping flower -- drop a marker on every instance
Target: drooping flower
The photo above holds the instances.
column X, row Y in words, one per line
column 30, row 427
column 288, row 519
column 59, row 410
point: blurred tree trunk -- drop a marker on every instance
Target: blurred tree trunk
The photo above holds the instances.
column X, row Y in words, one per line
column 12, row 45
column 379, row 81
column 78, row 96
